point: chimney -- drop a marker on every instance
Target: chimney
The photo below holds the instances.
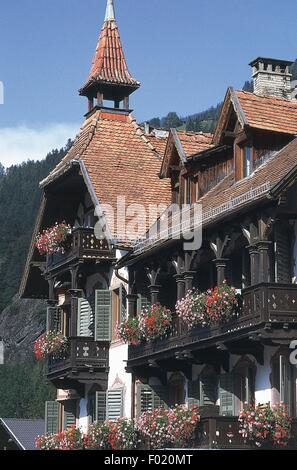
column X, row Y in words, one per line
column 272, row 77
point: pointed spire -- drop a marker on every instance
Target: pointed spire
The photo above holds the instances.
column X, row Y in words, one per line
column 109, row 74
column 109, row 15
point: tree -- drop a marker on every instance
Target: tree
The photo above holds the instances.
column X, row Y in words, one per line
column 248, row 86
column 171, row 120
column 155, row 122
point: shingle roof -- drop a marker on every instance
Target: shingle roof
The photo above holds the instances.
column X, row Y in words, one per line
column 24, row 431
column 272, row 114
column 109, row 64
column 194, row 142
column 121, row 161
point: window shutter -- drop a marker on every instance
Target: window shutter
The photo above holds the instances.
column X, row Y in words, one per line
column 52, row 417
column 194, row 392
column 282, row 252
column 84, row 318
column 160, row 395
column 53, row 319
column 142, row 303
column 100, row 406
column 123, row 303
column 103, row 315
column 69, row 413
column 227, row 402
column 149, row 398
column 208, row 389
column 115, row 401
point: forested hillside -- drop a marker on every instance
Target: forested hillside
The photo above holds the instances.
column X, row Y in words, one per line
column 19, row 200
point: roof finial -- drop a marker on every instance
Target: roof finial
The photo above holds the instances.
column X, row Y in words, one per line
column 109, row 15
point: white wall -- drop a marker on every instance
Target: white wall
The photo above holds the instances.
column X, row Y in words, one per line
column 83, row 420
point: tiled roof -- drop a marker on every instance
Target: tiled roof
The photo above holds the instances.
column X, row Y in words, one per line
column 120, row 160
column 109, row 63
column 24, row 431
column 271, row 114
column 193, row 142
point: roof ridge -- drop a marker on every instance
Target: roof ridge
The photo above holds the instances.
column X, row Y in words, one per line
column 140, row 132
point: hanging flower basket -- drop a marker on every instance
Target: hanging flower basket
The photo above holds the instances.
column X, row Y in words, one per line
column 51, row 344
column 221, row 304
column 97, row 437
column 70, row 439
column 155, row 322
column 129, row 332
column 53, row 239
column 174, row 427
column 192, row 309
column 265, row 425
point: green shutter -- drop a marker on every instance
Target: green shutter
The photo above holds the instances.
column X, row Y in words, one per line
column 208, row 389
column 115, row 403
column 69, row 413
column 103, row 314
column 53, row 319
column 85, row 315
column 194, row 392
column 123, row 303
column 142, row 303
column 148, row 398
column 52, row 417
column 227, row 399
column 100, row 406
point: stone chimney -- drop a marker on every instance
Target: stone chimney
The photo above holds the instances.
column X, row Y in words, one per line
column 272, row 77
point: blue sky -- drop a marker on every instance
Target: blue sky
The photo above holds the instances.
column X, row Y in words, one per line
column 184, row 52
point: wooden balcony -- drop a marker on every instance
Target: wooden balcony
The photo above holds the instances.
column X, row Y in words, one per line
column 269, row 307
column 82, row 245
column 86, row 361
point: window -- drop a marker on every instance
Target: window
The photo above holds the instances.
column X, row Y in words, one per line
column 247, row 161
column 284, row 381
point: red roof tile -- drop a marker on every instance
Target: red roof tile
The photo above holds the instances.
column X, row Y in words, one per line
column 121, row 161
column 109, row 63
column 271, row 114
column 194, row 142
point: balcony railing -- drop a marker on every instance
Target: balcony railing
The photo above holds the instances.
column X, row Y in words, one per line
column 261, row 304
column 83, row 354
column 83, row 244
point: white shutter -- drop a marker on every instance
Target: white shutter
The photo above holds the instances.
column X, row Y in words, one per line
column 115, row 401
column 103, row 315
column 84, row 318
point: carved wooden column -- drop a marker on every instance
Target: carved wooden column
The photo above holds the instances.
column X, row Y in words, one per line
column 154, row 291
column 218, row 246
column 180, row 284
column 254, row 259
column 132, row 305
column 74, row 272
column 189, row 278
column 178, row 264
column 75, row 295
column 51, row 290
column 264, row 264
column 221, row 264
column 152, row 274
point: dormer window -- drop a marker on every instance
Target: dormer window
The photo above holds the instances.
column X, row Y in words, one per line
column 247, row 161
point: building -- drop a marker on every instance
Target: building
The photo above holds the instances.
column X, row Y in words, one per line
column 20, row 434
column 245, row 178
column 86, row 294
